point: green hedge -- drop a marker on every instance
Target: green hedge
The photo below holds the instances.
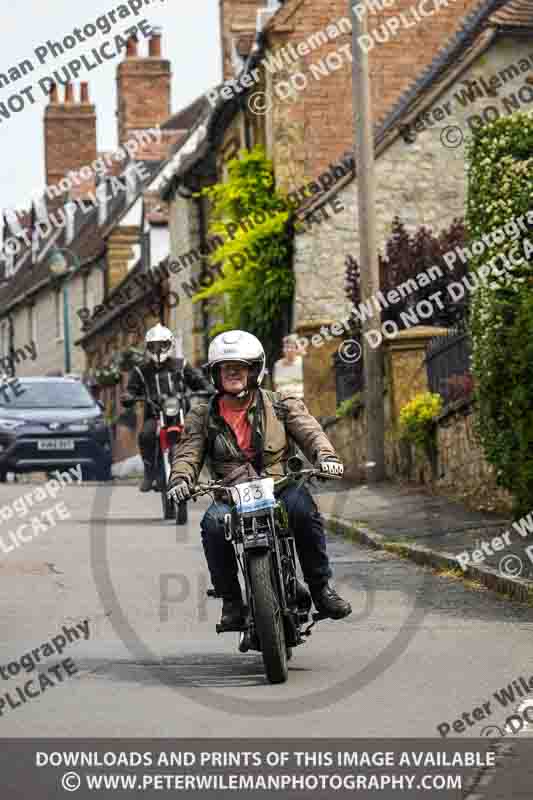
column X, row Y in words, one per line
column 500, row 191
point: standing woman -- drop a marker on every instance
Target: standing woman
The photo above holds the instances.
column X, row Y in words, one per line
column 288, row 373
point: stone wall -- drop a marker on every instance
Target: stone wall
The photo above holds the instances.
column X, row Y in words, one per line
column 423, row 183
column 459, row 470
column 48, row 304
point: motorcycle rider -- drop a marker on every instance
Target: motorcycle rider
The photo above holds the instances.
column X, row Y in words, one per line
column 172, row 376
column 242, row 432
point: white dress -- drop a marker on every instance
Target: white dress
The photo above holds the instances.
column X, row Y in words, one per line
column 289, row 378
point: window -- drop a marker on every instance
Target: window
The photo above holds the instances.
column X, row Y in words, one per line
column 59, row 315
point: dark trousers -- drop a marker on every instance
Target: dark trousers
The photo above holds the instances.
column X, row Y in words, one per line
column 305, row 523
column 147, row 441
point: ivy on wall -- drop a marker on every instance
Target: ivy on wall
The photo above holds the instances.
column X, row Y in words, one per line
column 256, row 283
column 500, row 192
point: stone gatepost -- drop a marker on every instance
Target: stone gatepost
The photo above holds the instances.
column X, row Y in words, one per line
column 405, row 366
column 320, row 391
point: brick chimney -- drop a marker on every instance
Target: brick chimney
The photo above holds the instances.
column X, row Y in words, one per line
column 238, row 21
column 69, row 137
column 143, row 88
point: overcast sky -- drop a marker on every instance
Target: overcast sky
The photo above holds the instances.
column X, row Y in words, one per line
column 190, row 42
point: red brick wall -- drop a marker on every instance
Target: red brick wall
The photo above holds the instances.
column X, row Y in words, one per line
column 143, row 91
column 69, row 135
column 321, row 118
column 236, row 18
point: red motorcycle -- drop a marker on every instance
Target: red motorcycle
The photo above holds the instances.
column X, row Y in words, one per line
column 169, row 412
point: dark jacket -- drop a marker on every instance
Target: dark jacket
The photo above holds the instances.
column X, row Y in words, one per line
column 174, row 376
column 276, row 421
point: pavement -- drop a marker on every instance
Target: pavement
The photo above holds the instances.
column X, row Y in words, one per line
column 435, row 531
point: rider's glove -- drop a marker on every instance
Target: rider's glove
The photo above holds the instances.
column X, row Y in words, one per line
column 178, row 490
column 332, row 466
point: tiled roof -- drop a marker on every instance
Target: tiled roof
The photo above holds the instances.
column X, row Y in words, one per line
column 184, row 119
column 514, row 14
column 198, row 149
column 89, row 239
column 480, row 22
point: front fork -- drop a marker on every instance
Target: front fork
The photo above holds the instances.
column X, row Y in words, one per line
column 165, row 451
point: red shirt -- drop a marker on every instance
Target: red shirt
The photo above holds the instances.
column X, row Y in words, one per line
column 237, row 419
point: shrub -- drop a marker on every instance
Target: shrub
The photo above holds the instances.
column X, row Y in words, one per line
column 349, row 406
column 417, row 418
column 500, row 190
column 405, row 257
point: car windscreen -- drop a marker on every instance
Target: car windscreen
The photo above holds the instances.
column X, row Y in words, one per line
column 46, row 394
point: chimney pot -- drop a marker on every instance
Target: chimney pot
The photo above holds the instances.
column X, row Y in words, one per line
column 84, row 98
column 53, row 94
column 155, row 44
column 69, row 93
column 131, row 48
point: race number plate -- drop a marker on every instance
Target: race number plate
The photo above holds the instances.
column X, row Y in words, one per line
column 254, row 495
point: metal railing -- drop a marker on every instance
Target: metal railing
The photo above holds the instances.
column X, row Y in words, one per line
column 448, row 365
column 349, row 377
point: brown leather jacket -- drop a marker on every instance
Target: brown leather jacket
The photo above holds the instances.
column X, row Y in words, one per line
column 275, row 422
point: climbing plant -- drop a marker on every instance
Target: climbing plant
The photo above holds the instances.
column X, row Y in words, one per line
column 500, row 199
column 256, row 283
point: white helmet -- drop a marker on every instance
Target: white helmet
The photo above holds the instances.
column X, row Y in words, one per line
column 159, row 341
column 237, row 346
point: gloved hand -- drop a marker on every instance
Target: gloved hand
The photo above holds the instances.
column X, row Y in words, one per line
column 332, row 466
column 178, row 490
column 127, row 400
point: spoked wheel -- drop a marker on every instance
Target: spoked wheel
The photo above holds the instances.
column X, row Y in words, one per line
column 268, row 619
column 182, row 514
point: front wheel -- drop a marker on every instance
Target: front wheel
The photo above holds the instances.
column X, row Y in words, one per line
column 268, row 619
column 182, row 513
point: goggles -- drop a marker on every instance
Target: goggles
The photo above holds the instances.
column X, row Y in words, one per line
column 158, row 347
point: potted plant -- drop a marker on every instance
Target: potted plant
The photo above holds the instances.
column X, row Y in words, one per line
column 418, row 424
column 108, row 375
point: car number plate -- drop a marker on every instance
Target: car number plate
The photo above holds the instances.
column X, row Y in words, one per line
column 254, row 495
column 55, row 444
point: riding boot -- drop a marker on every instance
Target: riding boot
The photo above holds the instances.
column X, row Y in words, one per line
column 232, row 608
column 148, row 480
column 329, row 603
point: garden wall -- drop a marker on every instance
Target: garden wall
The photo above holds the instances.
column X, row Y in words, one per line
column 460, row 472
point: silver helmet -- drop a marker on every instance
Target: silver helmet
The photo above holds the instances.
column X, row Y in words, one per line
column 237, row 346
column 159, row 343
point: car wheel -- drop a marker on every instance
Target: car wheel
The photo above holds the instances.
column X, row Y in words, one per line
column 3, row 476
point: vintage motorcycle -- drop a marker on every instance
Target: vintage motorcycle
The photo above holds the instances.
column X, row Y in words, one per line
column 277, row 604
column 169, row 411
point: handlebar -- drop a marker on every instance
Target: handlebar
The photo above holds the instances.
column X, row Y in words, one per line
column 279, row 485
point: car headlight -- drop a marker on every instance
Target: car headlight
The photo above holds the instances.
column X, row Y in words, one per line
column 10, row 424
